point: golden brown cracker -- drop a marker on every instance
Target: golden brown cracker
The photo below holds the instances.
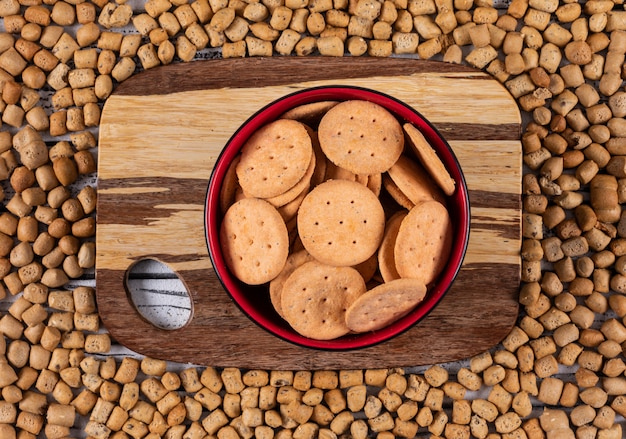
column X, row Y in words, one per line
column 414, row 182
column 361, row 178
column 274, row 158
column 392, row 189
column 384, row 304
column 290, row 210
column 361, row 136
column 309, row 113
column 230, row 186
column 294, row 260
column 429, row 159
column 375, row 183
column 254, row 241
column 341, row 222
column 320, row 160
column 424, row 242
column 386, row 259
column 368, row 268
column 292, row 230
column 315, row 297
column 301, row 186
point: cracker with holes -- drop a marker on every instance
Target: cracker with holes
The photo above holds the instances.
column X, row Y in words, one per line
column 341, row 222
column 384, row 304
column 361, row 136
column 367, row 268
column 274, row 159
column 254, row 241
column 320, row 159
column 294, row 260
column 315, row 298
column 424, row 242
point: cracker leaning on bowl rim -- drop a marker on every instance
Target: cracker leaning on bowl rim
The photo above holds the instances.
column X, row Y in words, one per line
column 384, row 304
column 274, row 158
column 429, row 159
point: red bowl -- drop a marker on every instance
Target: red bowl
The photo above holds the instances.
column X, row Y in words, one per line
column 254, row 301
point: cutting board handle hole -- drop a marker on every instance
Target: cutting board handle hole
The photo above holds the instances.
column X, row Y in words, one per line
column 158, row 294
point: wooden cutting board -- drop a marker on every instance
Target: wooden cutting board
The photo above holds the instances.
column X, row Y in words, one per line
column 160, row 134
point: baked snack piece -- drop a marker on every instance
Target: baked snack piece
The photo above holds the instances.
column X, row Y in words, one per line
column 386, row 258
column 254, row 241
column 341, row 222
column 414, row 181
column 429, row 158
column 308, row 113
column 334, row 216
column 274, row 158
column 384, row 304
column 394, row 191
column 230, row 185
column 315, row 297
column 361, row 136
column 302, row 186
column 424, row 242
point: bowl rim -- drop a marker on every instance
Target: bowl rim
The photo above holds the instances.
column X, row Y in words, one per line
column 272, row 111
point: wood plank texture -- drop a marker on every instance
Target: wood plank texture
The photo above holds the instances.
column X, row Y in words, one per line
column 160, row 135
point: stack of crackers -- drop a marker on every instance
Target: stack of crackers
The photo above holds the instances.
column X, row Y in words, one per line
column 340, row 209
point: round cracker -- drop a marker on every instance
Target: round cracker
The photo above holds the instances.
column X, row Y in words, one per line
column 301, row 186
column 254, row 241
column 384, row 304
column 309, row 112
column 274, row 158
column 414, row 182
column 320, row 159
column 315, row 297
column 429, row 158
column 424, row 242
column 361, row 136
column 375, row 183
column 386, row 259
column 294, row 260
column 341, row 222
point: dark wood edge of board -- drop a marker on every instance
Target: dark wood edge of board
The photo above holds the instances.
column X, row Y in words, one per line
column 244, row 73
column 229, row 330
